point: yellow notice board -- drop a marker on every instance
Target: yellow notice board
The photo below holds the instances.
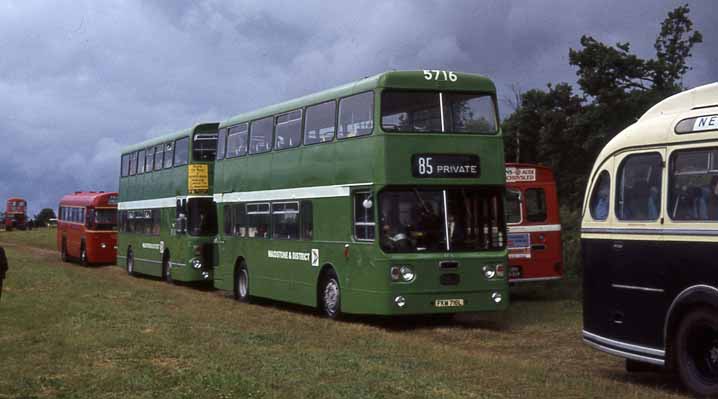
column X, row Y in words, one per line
column 198, row 178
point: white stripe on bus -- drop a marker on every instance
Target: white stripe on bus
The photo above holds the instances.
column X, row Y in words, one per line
column 169, row 202
column 534, row 229
column 341, row 190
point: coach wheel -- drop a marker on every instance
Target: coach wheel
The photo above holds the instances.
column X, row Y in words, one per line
column 697, row 351
column 63, row 251
column 331, row 295
column 166, row 269
column 130, row 263
column 83, row 255
column 241, row 284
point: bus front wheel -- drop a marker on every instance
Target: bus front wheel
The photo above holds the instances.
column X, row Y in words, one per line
column 331, row 295
column 241, row 284
column 697, row 351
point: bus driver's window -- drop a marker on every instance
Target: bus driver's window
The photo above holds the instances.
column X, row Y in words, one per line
column 600, row 197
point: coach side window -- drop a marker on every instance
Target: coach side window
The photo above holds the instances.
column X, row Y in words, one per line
column 260, row 135
column 600, row 197
column 285, row 220
column 638, row 189
column 356, row 115
column 288, row 129
column 320, row 123
column 237, row 140
column 182, row 151
column 169, row 154
column 693, row 187
column 125, row 165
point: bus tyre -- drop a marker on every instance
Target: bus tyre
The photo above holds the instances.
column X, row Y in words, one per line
column 130, row 263
column 63, row 251
column 241, row 284
column 166, row 269
column 330, row 295
column 83, row 255
column 697, row 351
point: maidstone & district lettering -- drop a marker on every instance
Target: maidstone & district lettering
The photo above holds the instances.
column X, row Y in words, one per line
column 288, row 255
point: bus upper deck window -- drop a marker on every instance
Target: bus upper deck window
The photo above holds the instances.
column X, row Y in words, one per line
column 356, row 115
column 181, row 151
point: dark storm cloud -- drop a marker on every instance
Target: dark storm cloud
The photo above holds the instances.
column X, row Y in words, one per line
column 81, row 79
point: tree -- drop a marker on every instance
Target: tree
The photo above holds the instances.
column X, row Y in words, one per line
column 565, row 130
column 44, row 215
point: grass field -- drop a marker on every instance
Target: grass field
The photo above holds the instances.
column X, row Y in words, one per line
column 68, row 331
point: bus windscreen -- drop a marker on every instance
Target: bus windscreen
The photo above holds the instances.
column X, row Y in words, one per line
column 429, row 111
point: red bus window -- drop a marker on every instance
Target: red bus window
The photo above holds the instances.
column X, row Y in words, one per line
column 535, row 205
column 513, row 206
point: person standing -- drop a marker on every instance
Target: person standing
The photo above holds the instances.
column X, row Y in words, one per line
column 3, row 268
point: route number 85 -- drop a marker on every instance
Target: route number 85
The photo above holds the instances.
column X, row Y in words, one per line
column 434, row 74
column 425, row 166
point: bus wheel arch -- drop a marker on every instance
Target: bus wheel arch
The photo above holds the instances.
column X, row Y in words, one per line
column 689, row 301
column 241, row 280
column 329, row 292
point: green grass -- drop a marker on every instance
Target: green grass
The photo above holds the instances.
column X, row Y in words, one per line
column 73, row 332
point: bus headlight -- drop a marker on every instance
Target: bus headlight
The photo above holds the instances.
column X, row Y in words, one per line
column 497, row 297
column 402, row 273
column 196, row 263
column 489, row 271
column 103, row 245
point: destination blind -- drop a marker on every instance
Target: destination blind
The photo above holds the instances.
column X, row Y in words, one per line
column 445, row 165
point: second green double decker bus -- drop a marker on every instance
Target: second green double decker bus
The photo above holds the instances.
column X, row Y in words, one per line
column 383, row 196
column 167, row 219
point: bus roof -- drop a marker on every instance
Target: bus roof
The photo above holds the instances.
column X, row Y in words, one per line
column 198, row 128
column 656, row 126
column 414, row 80
column 89, row 198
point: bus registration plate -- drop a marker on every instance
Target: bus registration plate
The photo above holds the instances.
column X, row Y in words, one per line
column 448, row 303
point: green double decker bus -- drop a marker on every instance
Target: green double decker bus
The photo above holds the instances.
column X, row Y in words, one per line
column 167, row 220
column 383, row 196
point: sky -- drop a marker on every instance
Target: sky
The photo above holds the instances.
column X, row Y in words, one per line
column 80, row 79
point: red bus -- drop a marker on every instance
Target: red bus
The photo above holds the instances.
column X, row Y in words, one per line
column 15, row 214
column 534, row 224
column 87, row 227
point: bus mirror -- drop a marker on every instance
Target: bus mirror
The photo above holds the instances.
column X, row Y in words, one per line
column 367, row 204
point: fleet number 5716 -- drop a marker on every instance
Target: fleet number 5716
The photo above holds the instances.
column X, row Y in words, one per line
column 436, row 74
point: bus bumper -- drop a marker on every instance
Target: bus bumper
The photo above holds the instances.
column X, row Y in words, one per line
column 408, row 303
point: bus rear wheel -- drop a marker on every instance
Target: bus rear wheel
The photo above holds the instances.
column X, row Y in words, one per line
column 241, row 284
column 697, row 351
column 330, row 295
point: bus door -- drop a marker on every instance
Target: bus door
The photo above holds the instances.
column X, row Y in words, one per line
column 638, row 274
